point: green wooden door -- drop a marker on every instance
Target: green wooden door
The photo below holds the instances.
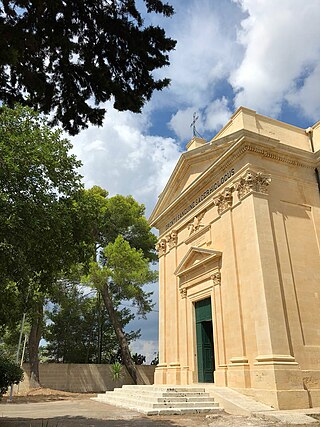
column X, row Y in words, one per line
column 204, row 334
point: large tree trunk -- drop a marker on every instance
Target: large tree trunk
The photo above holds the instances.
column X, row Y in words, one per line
column 124, row 347
column 34, row 340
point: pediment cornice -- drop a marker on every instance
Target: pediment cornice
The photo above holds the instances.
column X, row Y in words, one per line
column 243, row 141
column 194, row 258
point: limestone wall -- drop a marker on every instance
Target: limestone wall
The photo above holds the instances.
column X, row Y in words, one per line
column 84, row 378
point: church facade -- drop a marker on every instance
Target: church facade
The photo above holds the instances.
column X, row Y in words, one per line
column 239, row 263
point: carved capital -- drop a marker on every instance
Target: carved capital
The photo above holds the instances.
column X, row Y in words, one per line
column 216, row 278
column 252, row 182
column 172, row 238
column 224, row 200
column 161, row 247
column 183, row 292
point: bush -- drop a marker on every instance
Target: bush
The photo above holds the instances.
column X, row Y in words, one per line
column 10, row 373
column 116, row 371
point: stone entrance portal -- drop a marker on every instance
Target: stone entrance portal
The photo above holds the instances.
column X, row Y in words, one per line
column 204, row 333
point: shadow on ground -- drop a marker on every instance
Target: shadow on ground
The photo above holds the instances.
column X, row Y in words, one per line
column 88, row 422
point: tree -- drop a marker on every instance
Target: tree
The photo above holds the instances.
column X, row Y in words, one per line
column 38, row 239
column 79, row 329
column 121, row 276
column 118, row 223
column 105, row 218
column 38, row 178
column 58, row 56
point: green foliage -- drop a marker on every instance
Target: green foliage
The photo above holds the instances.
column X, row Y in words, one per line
column 78, row 329
column 116, row 371
column 58, row 56
column 10, row 304
column 38, row 184
column 138, row 359
column 103, row 219
column 124, row 216
column 155, row 360
column 10, row 373
column 37, row 179
column 125, row 271
column 126, row 249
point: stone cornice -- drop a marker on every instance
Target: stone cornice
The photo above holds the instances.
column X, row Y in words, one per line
column 247, row 141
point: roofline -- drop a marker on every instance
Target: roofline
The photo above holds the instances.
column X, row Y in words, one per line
column 253, row 112
column 239, row 136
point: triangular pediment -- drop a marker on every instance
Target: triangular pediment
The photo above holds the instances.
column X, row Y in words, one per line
column 191, row 165
column 196, row 257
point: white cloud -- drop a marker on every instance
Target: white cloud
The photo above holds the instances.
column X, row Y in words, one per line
column 282, row 40
column 217, row 114
column 181, row 120
column 307, row 97
column 212, row 118
column 205, row 51
column 123, row 158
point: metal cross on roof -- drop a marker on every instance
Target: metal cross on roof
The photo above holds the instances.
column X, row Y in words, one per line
column 193, row 124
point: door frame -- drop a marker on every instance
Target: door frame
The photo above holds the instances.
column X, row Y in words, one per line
column 202, row 317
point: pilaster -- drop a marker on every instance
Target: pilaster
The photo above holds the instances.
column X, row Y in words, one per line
column 275, row 375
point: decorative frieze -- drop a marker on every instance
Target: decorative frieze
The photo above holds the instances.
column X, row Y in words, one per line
column 216, row 278
column 224, row 200
column 252, row 182
column 161, row 247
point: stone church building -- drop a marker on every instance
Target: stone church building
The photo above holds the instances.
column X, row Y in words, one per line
column 239, row 253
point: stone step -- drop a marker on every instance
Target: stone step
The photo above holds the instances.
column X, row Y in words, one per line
column 157, row 400
column 172, row 389
column 165, row 411
column 157, row 405
column 120, row 393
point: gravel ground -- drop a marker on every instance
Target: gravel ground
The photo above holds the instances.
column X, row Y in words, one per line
column 51, row 408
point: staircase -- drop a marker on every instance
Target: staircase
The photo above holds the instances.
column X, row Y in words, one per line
column 161, row 400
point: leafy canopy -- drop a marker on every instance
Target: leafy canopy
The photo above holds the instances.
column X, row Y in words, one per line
column 124, row 270
column 105, row 218
column 38, row 181
column 59, row 56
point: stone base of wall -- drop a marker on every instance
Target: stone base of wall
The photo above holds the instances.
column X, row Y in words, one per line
column 84, row 378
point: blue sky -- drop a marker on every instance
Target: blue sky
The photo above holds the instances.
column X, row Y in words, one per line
column 262, row 54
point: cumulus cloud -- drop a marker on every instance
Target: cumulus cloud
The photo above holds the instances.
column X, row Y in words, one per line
column 214, row 115
column 281, row 41
column 217, row 114
column 205, row 52
column 123, row 158
column 307, row 96
column 180, row 123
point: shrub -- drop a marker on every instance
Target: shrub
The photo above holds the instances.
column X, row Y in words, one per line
column 116, row 371
column 10, row 373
